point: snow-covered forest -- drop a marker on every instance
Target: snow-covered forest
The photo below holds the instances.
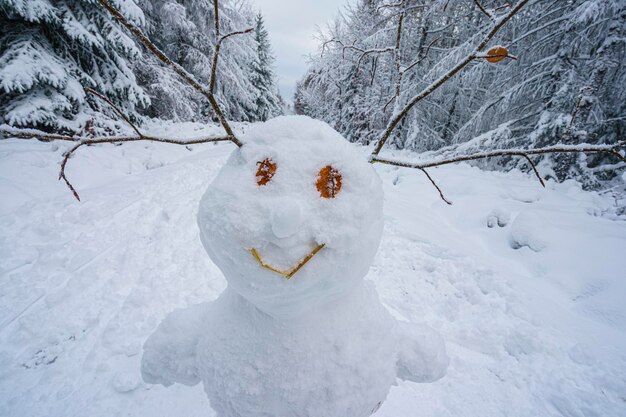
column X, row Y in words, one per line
column 565, row 84
column 438, row 230
column 52, row 50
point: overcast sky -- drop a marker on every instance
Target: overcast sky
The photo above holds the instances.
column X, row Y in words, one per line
column 292, row 27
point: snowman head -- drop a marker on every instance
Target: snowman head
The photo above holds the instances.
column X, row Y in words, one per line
column 294, row 218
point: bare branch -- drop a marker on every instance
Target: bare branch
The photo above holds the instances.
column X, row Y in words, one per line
column 504, row 6
column 343, row 46
column 524, row 153
column 424, row 57
column 401, row 3
column 115, row 108
column 391, row 99
column 62, row 176
column 363, row 52
column 216, row 15
column 534, row 167
column 404, row 70
column 442, row 80
column 372, row 51
column 397, row 55
column 619, row 155
column 436, row 186
column 235, row 33
column 390, row 6
column 190, row 79
column 9, row 131
column 485, row 11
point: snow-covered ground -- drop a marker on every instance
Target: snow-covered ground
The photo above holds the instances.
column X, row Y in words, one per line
column 527, row 285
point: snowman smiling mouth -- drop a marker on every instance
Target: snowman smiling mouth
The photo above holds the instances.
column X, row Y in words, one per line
column 292, row 272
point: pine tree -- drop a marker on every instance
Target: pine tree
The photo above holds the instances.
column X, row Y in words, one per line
column 262, row 75
column 185, row 31
column 50, row 50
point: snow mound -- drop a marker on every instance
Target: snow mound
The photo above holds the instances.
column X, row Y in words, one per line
column 498, row 217
column 528, row 230
column 421, row 348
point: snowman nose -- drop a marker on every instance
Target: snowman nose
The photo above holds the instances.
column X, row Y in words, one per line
column 286, row 218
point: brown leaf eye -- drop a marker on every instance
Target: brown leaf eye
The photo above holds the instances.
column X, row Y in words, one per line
column 267, row 169
column 328, row 182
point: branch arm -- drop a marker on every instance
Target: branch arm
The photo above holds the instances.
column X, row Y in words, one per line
column 613, row 149
column 583, row 148
column 436, row 186
column 9, row 131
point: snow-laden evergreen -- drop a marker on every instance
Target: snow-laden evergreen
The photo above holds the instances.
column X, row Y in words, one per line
column 262, row 75
column 567, row 85
column 50, row 50
column 185, row 31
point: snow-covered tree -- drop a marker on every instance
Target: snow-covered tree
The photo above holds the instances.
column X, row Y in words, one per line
column 49, row 50
column 567, row 85
column 185, row 31
column 262, row 75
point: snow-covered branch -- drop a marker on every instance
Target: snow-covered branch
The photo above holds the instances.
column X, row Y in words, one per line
column 485, row 11
column 363, row 52
column 399, row 115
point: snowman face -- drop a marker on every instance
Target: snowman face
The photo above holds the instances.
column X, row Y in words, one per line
column 294, row 218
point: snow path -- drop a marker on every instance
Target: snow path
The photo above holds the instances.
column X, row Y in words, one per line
column 532, row 311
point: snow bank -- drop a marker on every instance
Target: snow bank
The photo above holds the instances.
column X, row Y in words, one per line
column 527, row 230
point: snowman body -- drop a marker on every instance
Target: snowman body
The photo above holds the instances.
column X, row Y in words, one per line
column 293, row 220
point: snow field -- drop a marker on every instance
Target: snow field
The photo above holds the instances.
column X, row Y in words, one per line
column 531, row 310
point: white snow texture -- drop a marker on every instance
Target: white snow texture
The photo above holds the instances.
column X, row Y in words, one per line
column 320, row 344
column 83, row 285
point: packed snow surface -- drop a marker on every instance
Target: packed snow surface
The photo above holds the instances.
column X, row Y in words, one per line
column 529, row 331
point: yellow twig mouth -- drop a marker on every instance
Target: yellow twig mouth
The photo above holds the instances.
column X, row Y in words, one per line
column 287, row 274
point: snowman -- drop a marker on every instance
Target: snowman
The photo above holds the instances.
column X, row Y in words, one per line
column 293, row 220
